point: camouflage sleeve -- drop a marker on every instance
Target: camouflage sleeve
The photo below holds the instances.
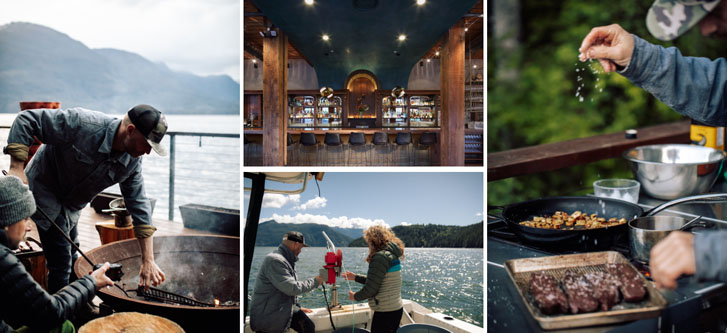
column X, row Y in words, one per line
column 695, row 87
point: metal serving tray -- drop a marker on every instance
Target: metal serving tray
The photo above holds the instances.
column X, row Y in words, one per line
column 520, row 271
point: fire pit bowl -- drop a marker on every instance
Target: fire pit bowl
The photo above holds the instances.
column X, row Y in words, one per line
column 204, row 268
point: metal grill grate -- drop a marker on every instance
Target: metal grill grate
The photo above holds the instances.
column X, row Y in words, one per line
column 170, row 298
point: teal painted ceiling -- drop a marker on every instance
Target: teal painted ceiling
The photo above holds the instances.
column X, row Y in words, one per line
column 364, row 34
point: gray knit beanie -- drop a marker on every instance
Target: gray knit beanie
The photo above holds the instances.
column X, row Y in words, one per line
column 16, row 201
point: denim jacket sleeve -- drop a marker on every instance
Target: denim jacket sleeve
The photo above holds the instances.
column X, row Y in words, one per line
column 49, row 125
column 695, row 87
column 132, row 188
column 710, row 253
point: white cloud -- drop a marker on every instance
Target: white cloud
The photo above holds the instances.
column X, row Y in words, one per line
column 405, row 223
column 314, row 203
column 273, row 200
column 341, row 221
column 478, row 214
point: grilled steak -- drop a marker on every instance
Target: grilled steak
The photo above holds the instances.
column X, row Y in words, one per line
column 548, row 296
column 630, row 283
column 579, row 293
column 605, row 288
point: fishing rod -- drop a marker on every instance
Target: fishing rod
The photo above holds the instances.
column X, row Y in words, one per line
column 331, row 269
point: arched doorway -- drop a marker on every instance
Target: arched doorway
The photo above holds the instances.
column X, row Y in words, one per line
column 362, row 86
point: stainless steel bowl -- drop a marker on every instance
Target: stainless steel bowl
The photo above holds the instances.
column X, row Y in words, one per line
column 673, row 171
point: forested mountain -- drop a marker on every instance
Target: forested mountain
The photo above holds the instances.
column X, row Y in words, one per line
column 38, row 63
column 434, row 235
column 270, row 233
column 350, row 232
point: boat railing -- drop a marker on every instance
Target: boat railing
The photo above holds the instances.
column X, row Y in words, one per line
column 558, row 155
column 214, row 168
column 201, row 168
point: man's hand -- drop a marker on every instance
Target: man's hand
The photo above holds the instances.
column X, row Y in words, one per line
column 17, row 169
column 149, row 274
column 610, row 45
column 672, row 257
column 100, row 276
column 306, row 310
column 319, row 279
column 349, row 275
column 350, row 295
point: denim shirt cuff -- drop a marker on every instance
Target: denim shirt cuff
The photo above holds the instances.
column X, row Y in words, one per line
column 638, row 67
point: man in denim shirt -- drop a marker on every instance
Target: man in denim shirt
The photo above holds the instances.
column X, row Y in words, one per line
column 694, row 87
column 85, row 152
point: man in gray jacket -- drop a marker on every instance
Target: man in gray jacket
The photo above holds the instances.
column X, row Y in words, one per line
column 274, row 307
column 83, row 153
column 695, row 87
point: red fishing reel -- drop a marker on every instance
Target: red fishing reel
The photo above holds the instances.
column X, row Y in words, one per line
column 333, row 265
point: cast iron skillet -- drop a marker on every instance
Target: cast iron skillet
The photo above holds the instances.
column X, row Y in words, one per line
column 585, row 239
column 581, row 238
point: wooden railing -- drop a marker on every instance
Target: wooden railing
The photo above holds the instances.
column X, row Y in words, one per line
column 553, row 156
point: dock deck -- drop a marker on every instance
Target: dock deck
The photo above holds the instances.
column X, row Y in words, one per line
column 89, row 238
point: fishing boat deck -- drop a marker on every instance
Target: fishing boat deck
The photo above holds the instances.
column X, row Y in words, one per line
column 89, row 237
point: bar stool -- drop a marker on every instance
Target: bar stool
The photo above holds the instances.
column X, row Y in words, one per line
column 426, row 141
column 307, row 144
column 403, row 142
column 333, row 142
column 291, row 152
column 380, row 149
column 357, row 144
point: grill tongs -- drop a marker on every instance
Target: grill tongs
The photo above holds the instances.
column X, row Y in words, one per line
column 169, row 297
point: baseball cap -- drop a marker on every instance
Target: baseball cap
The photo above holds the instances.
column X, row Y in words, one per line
column 296, row 237
column 151, row 123
column 669, row 19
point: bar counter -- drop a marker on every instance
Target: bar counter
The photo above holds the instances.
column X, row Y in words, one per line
column 254, row 134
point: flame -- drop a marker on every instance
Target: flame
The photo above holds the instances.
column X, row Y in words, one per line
column 217, row 302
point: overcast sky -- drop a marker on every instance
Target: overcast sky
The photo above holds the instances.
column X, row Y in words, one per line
column 362, row 199
column 197, row 36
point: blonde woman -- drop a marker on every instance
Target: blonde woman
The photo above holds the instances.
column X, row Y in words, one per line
column 382, row 283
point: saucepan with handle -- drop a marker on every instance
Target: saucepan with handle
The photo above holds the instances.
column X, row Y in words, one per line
column 648, row 230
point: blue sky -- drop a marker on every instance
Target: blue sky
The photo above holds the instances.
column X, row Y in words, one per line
column 361, row 199
column 201, row 37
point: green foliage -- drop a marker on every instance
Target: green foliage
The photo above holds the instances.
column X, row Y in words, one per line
column 532, row 100
column 434, row 235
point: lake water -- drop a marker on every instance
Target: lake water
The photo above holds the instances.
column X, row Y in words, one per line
column 207, row 170
column 449, row 281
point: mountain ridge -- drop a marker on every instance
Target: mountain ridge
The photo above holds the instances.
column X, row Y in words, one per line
column 435, row 235
column 40, row 63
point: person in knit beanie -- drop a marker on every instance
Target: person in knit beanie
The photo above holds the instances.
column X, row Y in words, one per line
column 16, row 206
column 25, row 305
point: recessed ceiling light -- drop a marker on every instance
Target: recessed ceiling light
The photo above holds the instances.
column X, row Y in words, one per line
column 402, row 37
column 474, row 66
column 436, row 53
column 465, row 29
column 428, row 60
column 254, row 61
column 325, row 37
column 421, row 2
column 308, row 2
